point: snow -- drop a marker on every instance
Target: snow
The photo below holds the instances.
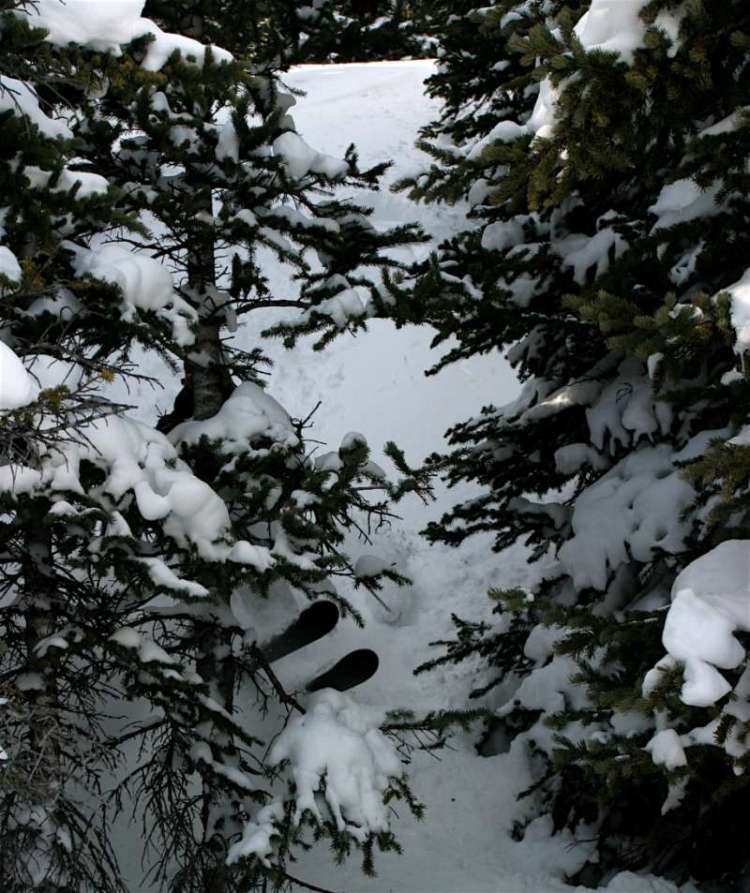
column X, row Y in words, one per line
column 710, row 602
column 337, row 747
column 106, row 27
column 257, row 835
column 502, row 235
column 369, row 566
column 666, row 749
column 17, row 387
column 9, row 266
column 250, row 413
column 300, row 159
column 164, row 576
column 145, row 284
column 683, row 201
column 631, row 511
column 739, row 294
column 584, row 252
column 374, row 384
column 148, row 650
column 136, row 458
column 613, row 26
column 17, row 96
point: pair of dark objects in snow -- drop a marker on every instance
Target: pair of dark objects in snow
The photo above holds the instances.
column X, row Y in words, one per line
column 312, row 624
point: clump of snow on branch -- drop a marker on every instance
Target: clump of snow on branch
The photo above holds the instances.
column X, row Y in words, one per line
column 337, row 750
column 105, row 27
column 257, row 835
column 17, row 387
column 20, row 98
column 710, row 602
column 740, row 311
column 144, row 282
column 300, row 159
column 139, row 460
column 249, row 414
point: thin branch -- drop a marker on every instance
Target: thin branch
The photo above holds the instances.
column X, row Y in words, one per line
column 306, row 885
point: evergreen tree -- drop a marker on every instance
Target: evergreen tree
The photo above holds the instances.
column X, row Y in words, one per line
column 55, row 354
column 604, row 157
column 168, row 571
column 367, row 30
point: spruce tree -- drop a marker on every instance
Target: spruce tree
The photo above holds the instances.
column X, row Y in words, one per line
column 57, row 352
column 184, row 560
column 367, row 30
column 604, row 157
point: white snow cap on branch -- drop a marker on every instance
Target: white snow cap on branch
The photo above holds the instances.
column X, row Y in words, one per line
column 20, row 98
column 337, row 749
column 249, row 414
column 740, row 310
column 17, row 387
column 106, row 25
column 710, row 602
column 613, row 26
column 145, row 284
column 9, row 266
column 301, row 159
